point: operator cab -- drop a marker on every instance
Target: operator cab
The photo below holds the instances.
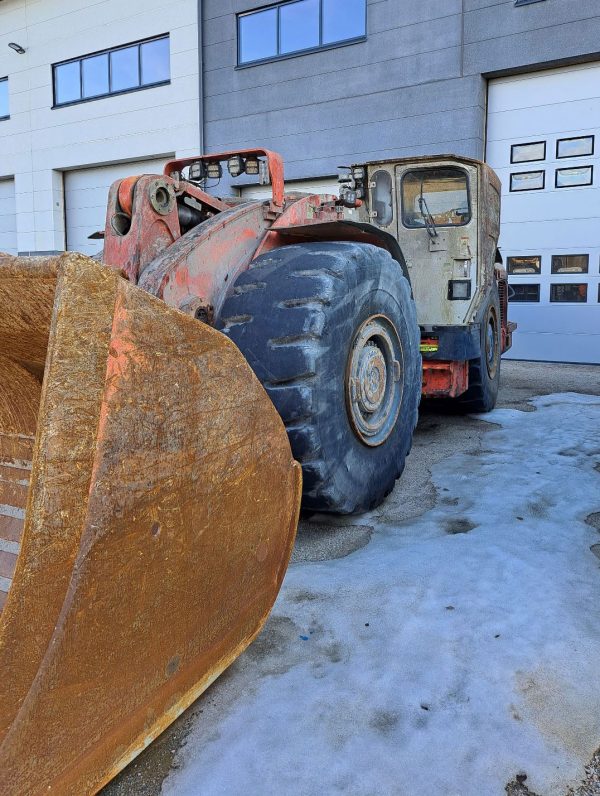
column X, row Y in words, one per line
column 445, row 213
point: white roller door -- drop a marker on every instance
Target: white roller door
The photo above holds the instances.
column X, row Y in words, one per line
column 8, row 217
column 544, row 141
column 322, row 185
column 86, row 193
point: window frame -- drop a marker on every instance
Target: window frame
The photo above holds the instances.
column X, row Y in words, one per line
column 413, row 169
column 576, row 138
column 4, row 117
column 522, row 285
column 572, row 168
column 535, row 272
column 522, row 173
column 306, row 51
column 555, row 272
column 554, row 285
column 528, row 143
column 108, row 51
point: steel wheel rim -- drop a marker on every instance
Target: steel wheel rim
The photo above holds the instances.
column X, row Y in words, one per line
column 374, row 383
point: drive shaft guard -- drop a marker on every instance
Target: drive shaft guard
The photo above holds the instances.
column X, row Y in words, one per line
column 148, row 508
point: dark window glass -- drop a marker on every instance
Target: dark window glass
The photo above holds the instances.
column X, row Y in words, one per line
column 573, row 293
column 522, row 153
column 94, row 75
column 570, row 263
column 67, row 82
column 258, row 35
column 440, row 195
column 581, row 146
column 527, row 181
column 124, row 69
column 4, row 98
column 524, row 265
column 382, row 199
column 581, row 175
column 112, row 71
column 521, row 292
column 299, row 26
column 155, row 61
column 343, row 19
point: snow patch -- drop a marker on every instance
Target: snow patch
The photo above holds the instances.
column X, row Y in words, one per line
column 433, row 661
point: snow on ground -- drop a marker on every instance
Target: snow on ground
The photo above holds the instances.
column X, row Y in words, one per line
column 447, row 655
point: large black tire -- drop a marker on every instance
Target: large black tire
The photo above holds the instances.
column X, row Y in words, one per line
column 484, row 372
column 309, row 317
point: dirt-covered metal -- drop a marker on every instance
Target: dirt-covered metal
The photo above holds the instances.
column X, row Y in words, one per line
column 158, row 521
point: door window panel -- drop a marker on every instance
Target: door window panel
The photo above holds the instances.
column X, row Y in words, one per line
column 524, row 153
column 570, row 263
column 524, row 293
column 527, row 181
column 441, row 194
column 581, row 146
column 571, row 293
column 524, row 265
column 568, row 178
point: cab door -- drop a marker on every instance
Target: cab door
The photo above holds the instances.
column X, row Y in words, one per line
column 437, row 231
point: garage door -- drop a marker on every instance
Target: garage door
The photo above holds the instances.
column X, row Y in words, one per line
column 544, row 142
column 322, row 185
column 86, row 192
column 8, row 217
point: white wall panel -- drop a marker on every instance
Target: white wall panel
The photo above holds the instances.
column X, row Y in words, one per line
column 8, row 219
column 38, row 143
column 86, row 193
column 547, row 106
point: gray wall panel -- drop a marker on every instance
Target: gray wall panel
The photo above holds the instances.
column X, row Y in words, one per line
column 414, row 86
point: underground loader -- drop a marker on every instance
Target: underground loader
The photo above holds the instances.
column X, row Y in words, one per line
column 164, row 412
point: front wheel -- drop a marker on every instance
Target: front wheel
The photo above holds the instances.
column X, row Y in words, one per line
column 330, row 330
column 484, row 372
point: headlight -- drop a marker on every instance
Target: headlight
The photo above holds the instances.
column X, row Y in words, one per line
column 252, row 166
column 214, row 170
column 236, row 165
column 197, row 171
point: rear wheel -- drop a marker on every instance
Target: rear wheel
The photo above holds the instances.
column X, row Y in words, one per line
column 484, row 372
column 330, row 330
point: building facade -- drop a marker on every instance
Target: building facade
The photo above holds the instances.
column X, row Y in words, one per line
column 326, row 83
column 101, row 90
column 471, row 77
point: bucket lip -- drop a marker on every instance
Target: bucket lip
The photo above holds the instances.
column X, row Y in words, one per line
column 43, row 266
column 14, row 265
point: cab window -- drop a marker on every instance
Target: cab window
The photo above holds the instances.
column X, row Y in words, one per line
column 440, row 195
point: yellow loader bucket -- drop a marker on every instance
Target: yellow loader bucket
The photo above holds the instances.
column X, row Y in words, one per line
column 148, row 508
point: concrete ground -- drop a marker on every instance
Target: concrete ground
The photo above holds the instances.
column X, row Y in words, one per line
column 438, row 436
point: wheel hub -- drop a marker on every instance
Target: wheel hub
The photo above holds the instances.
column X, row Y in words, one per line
column 372, row 378
column 373, row 382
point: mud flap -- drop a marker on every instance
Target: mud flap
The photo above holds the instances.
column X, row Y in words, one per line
column 148, row 508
